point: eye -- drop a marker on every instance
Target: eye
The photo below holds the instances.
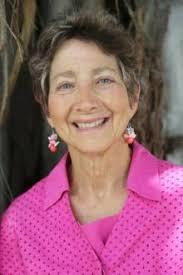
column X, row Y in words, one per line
column 105, row 81
column 65, row 86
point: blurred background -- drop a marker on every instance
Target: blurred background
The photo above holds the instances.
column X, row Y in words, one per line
column 155, row 25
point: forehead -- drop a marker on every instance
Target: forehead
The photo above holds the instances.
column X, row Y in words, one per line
column 75, row 53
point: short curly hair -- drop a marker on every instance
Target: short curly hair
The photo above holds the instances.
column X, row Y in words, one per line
column 101, row 28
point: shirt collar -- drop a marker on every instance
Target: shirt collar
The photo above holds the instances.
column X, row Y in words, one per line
column 57, row 182
column 143, row 177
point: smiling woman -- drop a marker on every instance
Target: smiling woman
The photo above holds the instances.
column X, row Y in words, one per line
column 109, row 206
column 88, row 103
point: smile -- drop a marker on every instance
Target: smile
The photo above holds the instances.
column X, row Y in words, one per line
column 91, row 125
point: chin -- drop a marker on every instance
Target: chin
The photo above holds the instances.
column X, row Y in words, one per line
column 93, row 149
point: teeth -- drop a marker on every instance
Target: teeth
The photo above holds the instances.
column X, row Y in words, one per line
column 91, row 124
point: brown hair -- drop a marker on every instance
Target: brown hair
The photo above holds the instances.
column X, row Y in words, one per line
column 101, row 28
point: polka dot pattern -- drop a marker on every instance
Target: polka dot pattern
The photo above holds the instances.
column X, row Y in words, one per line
column 151, row 233
column 146, row 239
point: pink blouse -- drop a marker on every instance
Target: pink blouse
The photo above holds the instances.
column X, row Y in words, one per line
column 39, row 233
column 97, row 232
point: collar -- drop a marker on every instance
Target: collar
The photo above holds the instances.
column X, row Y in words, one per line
column 56, row 183
column 143, row 177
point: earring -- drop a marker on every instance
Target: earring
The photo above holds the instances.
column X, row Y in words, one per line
column 129, row 135
column 53, row 142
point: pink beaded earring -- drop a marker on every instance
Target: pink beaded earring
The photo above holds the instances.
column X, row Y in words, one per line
column 53, row 142
column 129, row 134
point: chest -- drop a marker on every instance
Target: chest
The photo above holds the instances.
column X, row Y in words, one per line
column 86, row 212
column 142, row 240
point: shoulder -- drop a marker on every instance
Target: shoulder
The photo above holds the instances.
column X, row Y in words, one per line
column 23, row 205
column 166, row 179
column 171, row 183
column 33, row 201
column 171, row 177
column 154, row 178
column 171, row 188
column 168, row 176
column 171, row 204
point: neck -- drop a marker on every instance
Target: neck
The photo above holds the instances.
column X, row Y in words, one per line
column 99, row 175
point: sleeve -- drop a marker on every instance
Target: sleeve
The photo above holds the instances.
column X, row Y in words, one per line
column 10, row 257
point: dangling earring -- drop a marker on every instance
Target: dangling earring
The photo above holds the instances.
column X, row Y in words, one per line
column 129, row 135
column 53, row 142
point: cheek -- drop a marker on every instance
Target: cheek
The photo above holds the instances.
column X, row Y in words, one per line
column 119, row 101
column 56, row 108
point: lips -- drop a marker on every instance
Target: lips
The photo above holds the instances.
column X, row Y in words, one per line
column 92, row 123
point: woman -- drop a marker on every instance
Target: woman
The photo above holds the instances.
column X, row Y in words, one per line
column 109, row 206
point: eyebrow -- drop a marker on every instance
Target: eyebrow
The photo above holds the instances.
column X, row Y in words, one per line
column 95, row 71
column 104, row 68
column 65, row 74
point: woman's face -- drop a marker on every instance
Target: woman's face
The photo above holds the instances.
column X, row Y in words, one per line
column 88, row 103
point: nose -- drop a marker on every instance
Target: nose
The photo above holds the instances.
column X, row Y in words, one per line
column 86, row 99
